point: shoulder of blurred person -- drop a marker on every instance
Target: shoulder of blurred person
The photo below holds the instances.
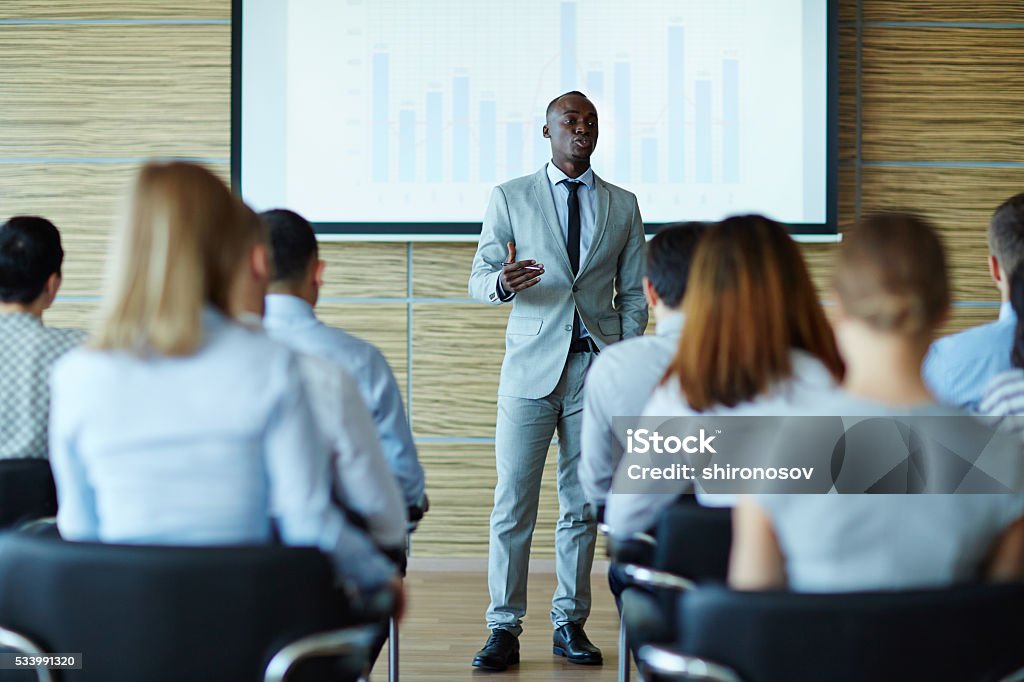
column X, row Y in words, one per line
column 958, row 367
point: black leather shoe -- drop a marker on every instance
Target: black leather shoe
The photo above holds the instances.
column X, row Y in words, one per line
column 570, row 641
column 501, row 651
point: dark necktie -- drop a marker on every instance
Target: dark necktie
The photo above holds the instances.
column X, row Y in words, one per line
column 572, row 243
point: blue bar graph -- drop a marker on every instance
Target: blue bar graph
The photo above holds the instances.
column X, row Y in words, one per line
column 541, row 146
column 452, row 133
column 435, row 137
column 381, row 151
column 622, row 121
column 406, row 145
column 649, row 159
column 595, row 85
column 676, row 102
column 568, row 46
column 488, row 140
column 514, row 149
column 730, row 120
column 460, row 129
column 703, row 125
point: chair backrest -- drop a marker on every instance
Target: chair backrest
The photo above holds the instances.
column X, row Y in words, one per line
column 971, row 634
column 162, row 614
column 694, row 542
column 26, row 491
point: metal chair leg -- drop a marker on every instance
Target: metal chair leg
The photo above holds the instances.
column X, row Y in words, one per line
column 392, row 650
column 623, row 653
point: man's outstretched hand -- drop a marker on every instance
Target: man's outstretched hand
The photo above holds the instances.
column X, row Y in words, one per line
column 519, row 275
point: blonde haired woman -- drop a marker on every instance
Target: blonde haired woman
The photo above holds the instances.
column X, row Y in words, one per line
column 176, row 425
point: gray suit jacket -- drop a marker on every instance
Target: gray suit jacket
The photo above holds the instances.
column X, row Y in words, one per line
column 608, row 290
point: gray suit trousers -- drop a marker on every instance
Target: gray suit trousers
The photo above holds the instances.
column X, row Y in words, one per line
column 523, row 435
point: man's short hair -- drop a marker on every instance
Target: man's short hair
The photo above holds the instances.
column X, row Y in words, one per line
column 552, row 103
column 1006, row 234
column 30, row 252
column 292, row 244
column 669, row 254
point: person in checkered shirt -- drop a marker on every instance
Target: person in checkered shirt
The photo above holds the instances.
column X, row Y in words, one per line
column 30, row 262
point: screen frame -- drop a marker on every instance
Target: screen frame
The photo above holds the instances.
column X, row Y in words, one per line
column 470, row 232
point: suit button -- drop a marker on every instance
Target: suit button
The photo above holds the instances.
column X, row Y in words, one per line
column 575, row 288
column 568, row 327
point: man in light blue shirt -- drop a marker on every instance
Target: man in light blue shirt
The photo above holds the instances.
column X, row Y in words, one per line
column 958, row 367
column 289, row 318
column 621, row 379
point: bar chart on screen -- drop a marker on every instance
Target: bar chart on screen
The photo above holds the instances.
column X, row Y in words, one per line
column 402, row 111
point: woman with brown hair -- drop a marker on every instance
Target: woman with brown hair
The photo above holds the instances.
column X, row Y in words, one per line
column 756, row 341
column 892, row 293
column 176, row 425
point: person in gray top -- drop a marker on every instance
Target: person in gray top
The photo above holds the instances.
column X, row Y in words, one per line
column 892, row 294
column 30, row 276
column 621, row 379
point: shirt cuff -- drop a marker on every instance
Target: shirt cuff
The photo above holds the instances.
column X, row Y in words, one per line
column 502, row 294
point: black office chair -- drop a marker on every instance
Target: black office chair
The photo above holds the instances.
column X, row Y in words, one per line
column 691, row 546
column 968, row 634
column 167, row 614
column 27, row 491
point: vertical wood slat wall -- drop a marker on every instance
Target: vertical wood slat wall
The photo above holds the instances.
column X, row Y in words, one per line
column 931, row 119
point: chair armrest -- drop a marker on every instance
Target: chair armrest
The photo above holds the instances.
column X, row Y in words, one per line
column 1016, row 676
column 46, row 525
column 675, row 666
column 350, row 641
column 10, row 639
column 635, row 548
column 650, row 577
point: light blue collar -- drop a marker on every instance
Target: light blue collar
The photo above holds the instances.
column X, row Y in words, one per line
column 288, row 307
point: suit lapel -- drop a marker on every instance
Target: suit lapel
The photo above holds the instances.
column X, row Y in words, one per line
column 542, row 195
column 600, row 220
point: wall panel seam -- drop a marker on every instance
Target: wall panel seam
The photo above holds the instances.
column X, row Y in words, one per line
column 115, row 22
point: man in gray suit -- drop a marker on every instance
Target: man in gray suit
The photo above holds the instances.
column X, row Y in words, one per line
column 588, row 295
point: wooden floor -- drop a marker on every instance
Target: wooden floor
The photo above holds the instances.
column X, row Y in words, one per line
column 444, row 627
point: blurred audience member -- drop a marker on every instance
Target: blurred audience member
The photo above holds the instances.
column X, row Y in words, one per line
column 621, row 379
column 178, row 426
column 756, row 342
column 30, row 262
column 1004, row 396
column 297, row 275
column 892, row 295
column 363, row 482
column 958, row 367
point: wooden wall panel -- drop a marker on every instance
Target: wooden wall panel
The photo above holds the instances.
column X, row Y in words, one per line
column 943, row 94
column 960, row 201
column 378, row 270
column 115, row 91
column 71, row 313
column 961, row 318
column 441, row 270
column 457, row 353
column 847, row 92
column 115, row 9
column 1009, row 11
column 847, row 10
column 382, row 324
column 462, row 479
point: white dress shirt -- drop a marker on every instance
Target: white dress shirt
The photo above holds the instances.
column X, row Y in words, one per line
column 558, row 182
column 214, row 448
